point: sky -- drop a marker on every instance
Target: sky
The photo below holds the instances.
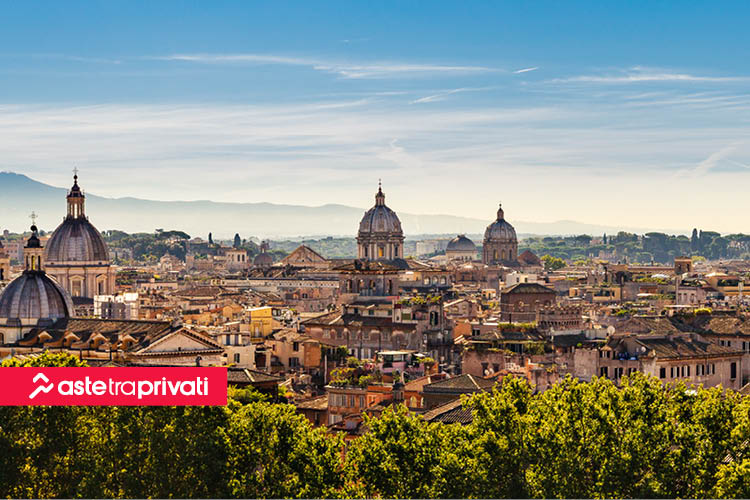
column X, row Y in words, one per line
column 618, row 113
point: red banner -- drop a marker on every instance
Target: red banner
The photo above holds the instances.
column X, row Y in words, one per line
column 116, row 386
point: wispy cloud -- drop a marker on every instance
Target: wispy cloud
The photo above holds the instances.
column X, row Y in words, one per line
column 713, row 160
column 343, row 69
column 639, row 74
column 334, row 149
column 525, row 70
column 440, row 96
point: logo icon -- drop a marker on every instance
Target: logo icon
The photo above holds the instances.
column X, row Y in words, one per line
column 42, row 388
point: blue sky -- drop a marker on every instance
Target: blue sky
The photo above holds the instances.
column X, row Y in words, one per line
column 622, row 113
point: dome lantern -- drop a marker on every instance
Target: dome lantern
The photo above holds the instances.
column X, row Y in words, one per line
column 33, row 251
column 76, row 199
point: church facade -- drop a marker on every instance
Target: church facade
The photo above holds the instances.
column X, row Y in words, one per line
column 76, row 255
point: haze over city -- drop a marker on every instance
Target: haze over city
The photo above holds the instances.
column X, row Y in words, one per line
column 583, row 111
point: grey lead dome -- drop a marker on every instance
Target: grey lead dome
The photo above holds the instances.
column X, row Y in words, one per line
column 34, row 296
column 500, row 231
column 461, row 244
column 380, row 219
column 76, row 240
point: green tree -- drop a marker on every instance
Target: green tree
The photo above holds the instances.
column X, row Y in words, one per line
column 275, row 453
column 402, row 456
column 499, row 430
column 552, row 263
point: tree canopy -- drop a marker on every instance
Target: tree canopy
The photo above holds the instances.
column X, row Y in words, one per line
column 641, row 439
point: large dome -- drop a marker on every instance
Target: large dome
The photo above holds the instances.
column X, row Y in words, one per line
column 461, row 244
column 76, row 240
column 32, row 298
column 500, row 231
column 380, row 220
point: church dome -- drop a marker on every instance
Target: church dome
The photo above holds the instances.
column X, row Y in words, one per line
column 76, row 240
column 263, row 260
column 461, row 244
column 380, row 220
column 34, row 296
column 500, row 230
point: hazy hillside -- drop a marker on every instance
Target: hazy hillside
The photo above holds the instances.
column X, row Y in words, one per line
column 19, row 195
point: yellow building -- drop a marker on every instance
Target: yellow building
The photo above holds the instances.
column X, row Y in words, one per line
column 259, row 322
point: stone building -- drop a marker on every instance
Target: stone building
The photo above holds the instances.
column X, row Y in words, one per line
column 4, row 263
column 380, row 236
column 76, row 255
column 236, row 259
column 500, row 245
column 670, row 358
column 522, row 301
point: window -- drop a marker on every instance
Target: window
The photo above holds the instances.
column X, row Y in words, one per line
column 604, row 372
column 688, row 370
column 733, row 370
column 671, row 372
column 351, row 401
column 236, row 357
column 662, row 372
column 293, row 362
column 295, row 346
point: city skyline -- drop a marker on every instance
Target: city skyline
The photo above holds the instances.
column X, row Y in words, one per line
column 585, row 112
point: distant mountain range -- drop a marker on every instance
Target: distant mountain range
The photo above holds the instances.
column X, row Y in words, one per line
column 20, row 195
